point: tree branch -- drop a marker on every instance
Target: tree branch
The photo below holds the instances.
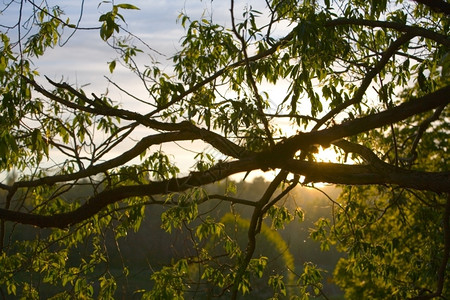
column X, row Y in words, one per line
column 390, row 51
column 364, row 152
column 313, row 171
column 275, row 47
column 251, row 80
column 422, row 128
column 254, row 228
column 403, row 111
column 100, row 200
column 125, row 157
column 216, row 140
column 439, row 6
column 367, row 174
column 411, row 30
column 442, row 273
column 279, row 156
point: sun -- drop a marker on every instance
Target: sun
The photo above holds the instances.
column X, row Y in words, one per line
column 288, row 129
column 326, row 155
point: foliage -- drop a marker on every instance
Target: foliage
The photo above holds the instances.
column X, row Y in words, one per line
column 265, row 90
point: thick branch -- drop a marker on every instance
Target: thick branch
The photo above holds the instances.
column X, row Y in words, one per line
column 255, row 227
column 220, row 143
column 125, row 157
column 97, row 202
column 99, row 109
column 364, row 152
column 413, row 30
column 279, row 157
column 353, row 127
column 313, row 172
column 439, row 6
column 367, row 174
column 190, row 132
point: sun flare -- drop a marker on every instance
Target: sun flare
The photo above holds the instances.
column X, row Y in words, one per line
column 326, row 155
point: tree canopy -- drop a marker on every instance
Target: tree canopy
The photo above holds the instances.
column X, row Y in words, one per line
column 267, row 89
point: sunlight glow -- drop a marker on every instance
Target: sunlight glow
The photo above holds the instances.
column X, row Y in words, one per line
column 326, row 155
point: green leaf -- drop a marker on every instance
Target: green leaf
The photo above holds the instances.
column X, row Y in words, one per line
column 127, row 6
column 112, row 66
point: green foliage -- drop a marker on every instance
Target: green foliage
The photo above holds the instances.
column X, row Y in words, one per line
column 249, row 90
column 109, row 20
column 269, row 239
column 311, row 278
column 280, row 216
column 209, row 229
column 387, row 265
column 168, row 282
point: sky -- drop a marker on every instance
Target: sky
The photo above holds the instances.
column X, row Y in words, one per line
column 83, row 59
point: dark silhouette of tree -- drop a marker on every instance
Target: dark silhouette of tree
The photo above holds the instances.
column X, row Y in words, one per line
column 369, row 79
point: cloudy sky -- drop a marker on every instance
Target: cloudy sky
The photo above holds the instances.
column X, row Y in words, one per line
column 83, row 59
column 155, row 23
column 85, row 56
